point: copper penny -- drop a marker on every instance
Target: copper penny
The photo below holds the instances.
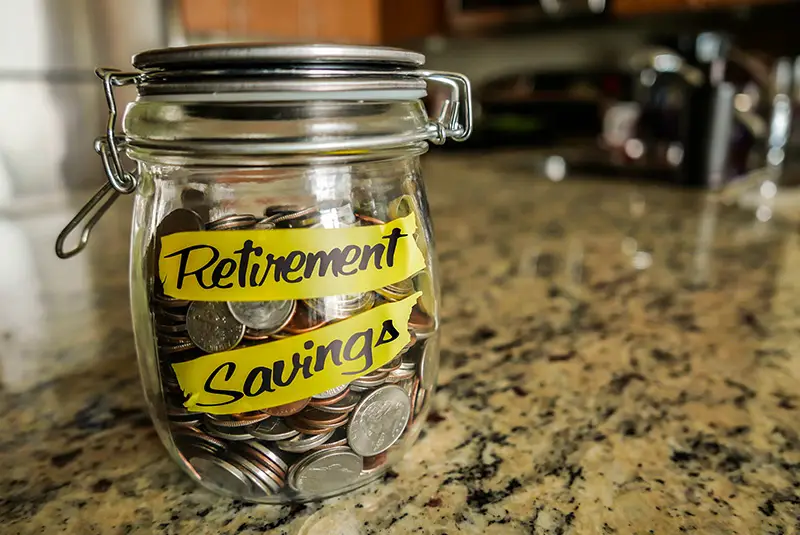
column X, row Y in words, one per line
column 289, row 408
column 318, row 418
column 299, row 425
column 369, row 219
column 329, row 401
column 371, row 463
column 304, row 321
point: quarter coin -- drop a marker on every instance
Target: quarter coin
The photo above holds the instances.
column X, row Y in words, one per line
column 325, row 471
column 378, row 420
column 212, row 327
column 264, row 316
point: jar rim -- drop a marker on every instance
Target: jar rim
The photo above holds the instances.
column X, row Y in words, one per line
column 236, row 55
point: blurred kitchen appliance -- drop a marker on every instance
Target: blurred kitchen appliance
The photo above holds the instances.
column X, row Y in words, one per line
column 475, row 15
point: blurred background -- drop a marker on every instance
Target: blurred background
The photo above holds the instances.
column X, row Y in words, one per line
column 690, row 92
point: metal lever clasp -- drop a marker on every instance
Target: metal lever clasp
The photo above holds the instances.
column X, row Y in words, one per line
column 119, row 181
column 455, row 118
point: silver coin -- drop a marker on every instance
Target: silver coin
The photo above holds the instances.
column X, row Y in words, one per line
column 378, row 420
column 258, row 479
column 346, row 404
column 212, row 327
column 342, row 306
column 273, row 429
column 400, row 375
column 325, row 471
column 230, row 433
column 429, row 363
column 303, row 443
column 336, row 390
column 268, row 452
column 263, row 316
column 220, row 473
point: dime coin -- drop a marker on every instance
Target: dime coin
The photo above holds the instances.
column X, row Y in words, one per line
column 273, row 429
column 221, row 473
column 212, row 327
column 325, row 471
column 264, row 316
column 378, row 420
column 289, row 408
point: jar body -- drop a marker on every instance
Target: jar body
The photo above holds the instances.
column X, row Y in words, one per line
column 215, row 363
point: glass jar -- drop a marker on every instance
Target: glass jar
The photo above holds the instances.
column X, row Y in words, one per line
column 283, row 277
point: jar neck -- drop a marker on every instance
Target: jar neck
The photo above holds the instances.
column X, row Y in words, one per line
column 269, row 132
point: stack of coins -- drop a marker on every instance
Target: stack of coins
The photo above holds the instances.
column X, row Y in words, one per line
column 313, row 446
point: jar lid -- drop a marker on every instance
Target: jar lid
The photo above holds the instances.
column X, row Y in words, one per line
column 252, row 55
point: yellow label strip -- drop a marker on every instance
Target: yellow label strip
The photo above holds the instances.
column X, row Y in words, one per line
column 263, row 265
column 299, row 367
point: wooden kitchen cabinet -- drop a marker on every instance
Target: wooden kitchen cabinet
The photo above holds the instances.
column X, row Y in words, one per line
column 638, row 7
column 342, row 21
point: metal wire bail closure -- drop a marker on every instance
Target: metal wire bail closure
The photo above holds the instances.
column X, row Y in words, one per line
column 118, row 181
column 454, row 121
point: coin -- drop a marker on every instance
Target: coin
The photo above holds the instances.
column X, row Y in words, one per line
column 342, row 306
column 325, row 471
column 378, row 420
column 275, row 460
column 230, row 433
column 220, row 422
column 258, row 479
column 232, row 222
column 264, row 455
column 369, row 220
column 330, row 393
column 212, row 327
column 220, row 473
column 424, row 325
column 288, row 409
column 304, row 320
column 372, row 464
column 429, row 363
column 397, row 291
column 273, row 429
column 302, row 443
column 346, row 404
column 339, row 438
column 264, row 316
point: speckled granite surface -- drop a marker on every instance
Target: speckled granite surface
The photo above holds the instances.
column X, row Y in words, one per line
column 616, row 359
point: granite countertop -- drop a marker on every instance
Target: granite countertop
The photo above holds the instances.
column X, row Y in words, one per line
column 617, row 358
